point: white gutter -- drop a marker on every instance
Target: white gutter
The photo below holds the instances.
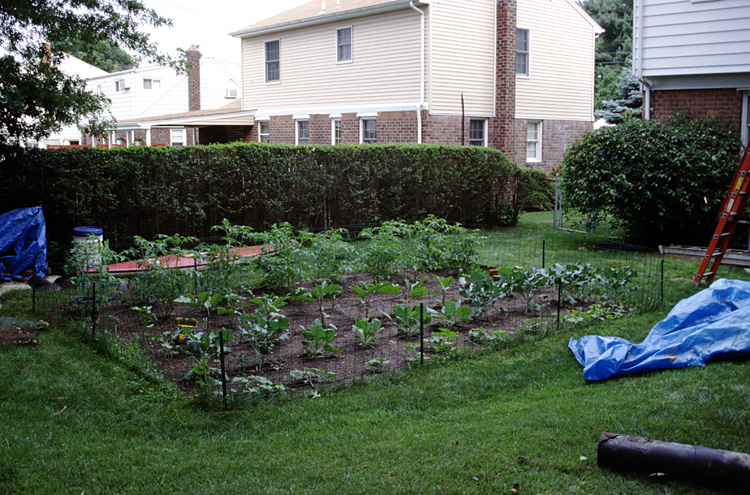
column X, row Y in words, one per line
column 422, row 78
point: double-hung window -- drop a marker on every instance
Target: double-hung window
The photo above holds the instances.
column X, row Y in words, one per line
column 303, row 132
column 336, row 131
column 177, row 137
column 477, row 132
column 368, row 131
column 344, row 45
column 522, row 52
column 264, row 131
column 273, row 59
column 151, row 84
column 534, row 141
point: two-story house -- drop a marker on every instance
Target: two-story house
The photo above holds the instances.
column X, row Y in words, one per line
column 693, row 57
column 146, row 102
column 517, row 76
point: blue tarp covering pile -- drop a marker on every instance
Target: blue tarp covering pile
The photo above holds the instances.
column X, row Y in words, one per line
column 23, row 243
column 715, row 321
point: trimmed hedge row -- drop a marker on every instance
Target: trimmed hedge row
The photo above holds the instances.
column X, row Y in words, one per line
column 152, row 190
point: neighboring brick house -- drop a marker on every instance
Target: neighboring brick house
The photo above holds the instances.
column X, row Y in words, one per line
column 517, row 76
column 693, row 57
column 154, row 105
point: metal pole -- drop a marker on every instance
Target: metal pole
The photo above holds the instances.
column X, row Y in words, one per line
column 195, row 274
column 93, row 309
column 559, row 302
column 544, row 251
column 421, row 333
column 557, row 204
column 223, row 369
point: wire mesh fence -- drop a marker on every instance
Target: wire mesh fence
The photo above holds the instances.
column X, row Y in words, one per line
column 520, row 282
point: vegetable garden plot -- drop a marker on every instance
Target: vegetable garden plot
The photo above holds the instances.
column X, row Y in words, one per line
column 286, row 333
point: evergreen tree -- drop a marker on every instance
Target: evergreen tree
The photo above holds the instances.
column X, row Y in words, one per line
column 629, row 99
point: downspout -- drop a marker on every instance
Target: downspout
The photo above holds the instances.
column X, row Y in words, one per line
column 638, row 69
column 421, row 85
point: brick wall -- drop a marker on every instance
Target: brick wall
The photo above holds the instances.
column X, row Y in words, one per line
column 194, row 78
column 557, row 136
column 725, row 104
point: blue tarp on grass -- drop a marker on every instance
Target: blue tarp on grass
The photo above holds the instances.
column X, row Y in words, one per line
column 715, row 321
column 23, row 243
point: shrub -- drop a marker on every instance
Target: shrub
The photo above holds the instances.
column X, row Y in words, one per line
column 662, row 181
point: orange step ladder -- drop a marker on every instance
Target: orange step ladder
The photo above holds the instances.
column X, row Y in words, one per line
column 731, row 209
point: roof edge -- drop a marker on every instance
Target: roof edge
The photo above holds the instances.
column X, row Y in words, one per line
column 381, row 8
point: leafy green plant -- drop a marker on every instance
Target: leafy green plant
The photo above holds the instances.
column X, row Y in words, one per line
column 263, row 331
column 453, row 314
column 318, row 294
column 384, row 248
column 407, row 318
column 378, row 364
column 444, row 283
column 257, row 386
column 312, row 377
column 330, row 255
column 160, row 283
column 482, row 336
column 527, row 283
column 413, row 290
column 318, row 339
column 148, row 318
column 570, row 278
column 614, row 281
column 482, row 291
column 441, row 342
column 365, row 293
column 596, row 312
column 366, row 330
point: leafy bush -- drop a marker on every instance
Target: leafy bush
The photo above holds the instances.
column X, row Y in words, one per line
column 663, row 181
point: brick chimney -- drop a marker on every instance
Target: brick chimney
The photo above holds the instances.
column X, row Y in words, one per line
column 194, row 78
column 502, row 130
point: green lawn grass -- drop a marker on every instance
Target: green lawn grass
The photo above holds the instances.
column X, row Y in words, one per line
column 520, row 414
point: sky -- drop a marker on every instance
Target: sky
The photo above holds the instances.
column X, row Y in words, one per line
column 208, row 24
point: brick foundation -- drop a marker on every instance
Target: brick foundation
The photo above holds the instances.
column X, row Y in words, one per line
column 724, row 104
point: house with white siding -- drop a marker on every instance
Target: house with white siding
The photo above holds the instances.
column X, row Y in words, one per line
column 693, row 57
column 152, row 105
column 517, row 75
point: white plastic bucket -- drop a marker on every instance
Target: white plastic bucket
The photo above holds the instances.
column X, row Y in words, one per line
column 87, row 243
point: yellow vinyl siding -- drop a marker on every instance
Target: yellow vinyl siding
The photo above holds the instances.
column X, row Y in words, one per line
column 385, row 66
column 561, row 78
column 462, row 57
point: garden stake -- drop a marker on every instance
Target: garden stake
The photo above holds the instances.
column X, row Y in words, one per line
column 544, row 250
column 93, row 309
column 662, row 281
column 559, row 302
column 421, row 333
column 195, row 275
column 223, row 370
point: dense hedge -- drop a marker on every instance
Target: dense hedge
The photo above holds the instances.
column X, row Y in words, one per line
column 663, row 181
column 146, row 191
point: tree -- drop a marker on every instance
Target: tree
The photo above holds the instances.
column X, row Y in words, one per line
column 629, row 99
column 104, row 54
column 36, row 98
column 614, row 46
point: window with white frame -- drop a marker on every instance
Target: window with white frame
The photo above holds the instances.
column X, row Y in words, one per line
column 120, row 85
column 368, row 130
column 522, row 52
column 303, row 132
column 177, row 137
column 534, row 141
column 478, row 132
column 335, row 131
column 344, row 45
column 273, row 57
column 151, row 84
column 264, row 132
